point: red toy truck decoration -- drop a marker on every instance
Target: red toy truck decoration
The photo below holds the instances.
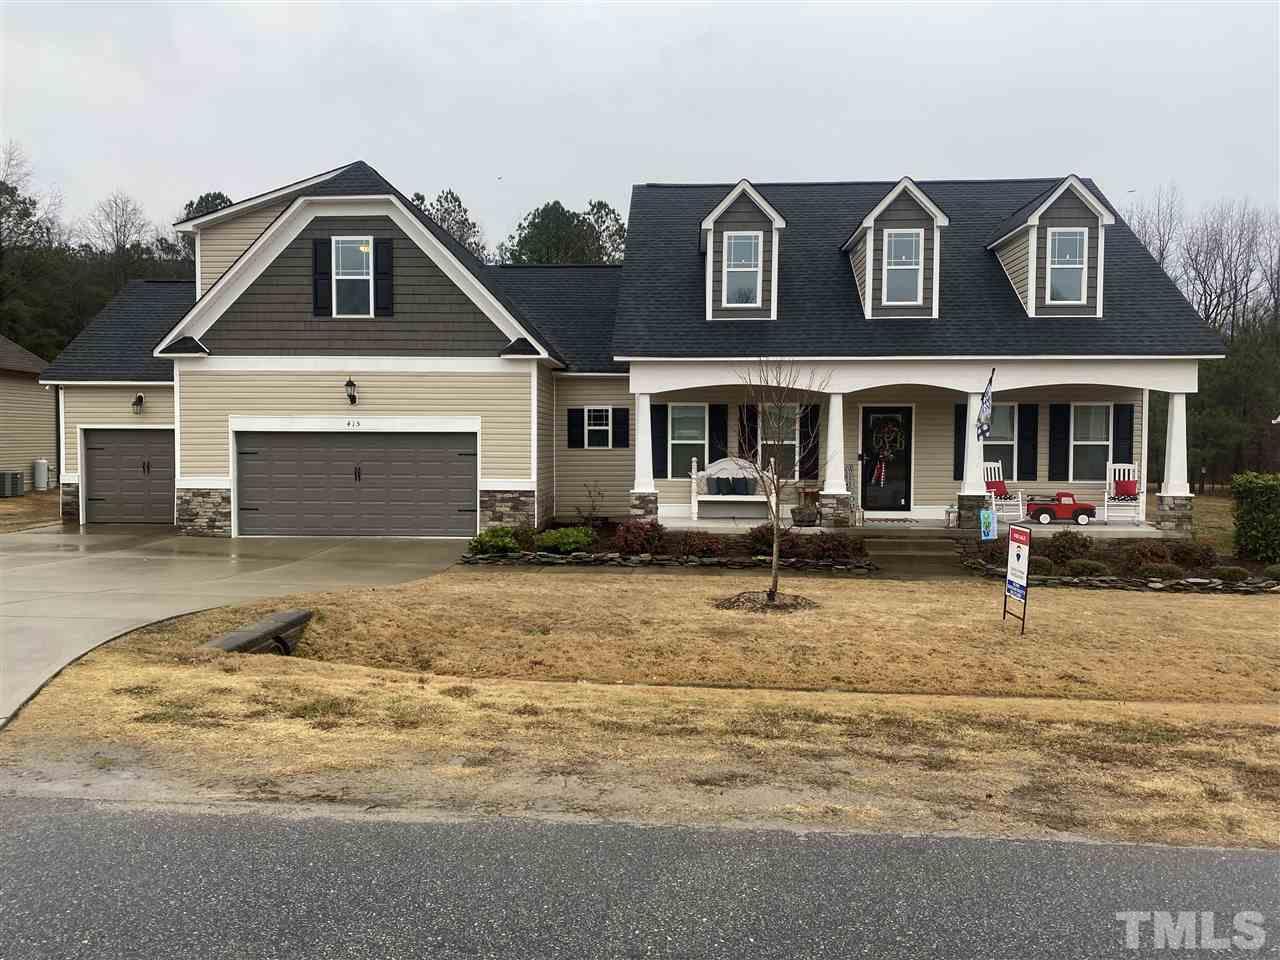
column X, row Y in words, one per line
column 1063, row 505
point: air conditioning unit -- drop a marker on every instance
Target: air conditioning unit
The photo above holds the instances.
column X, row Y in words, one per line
column 11, row 484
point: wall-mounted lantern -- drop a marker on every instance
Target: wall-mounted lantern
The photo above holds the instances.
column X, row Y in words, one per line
column 350, row 387
column 137, row 404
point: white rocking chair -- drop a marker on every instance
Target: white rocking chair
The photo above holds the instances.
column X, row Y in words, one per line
column 1008, row 504
column 1122, row 477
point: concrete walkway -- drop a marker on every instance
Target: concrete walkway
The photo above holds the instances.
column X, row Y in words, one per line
column 65, row 590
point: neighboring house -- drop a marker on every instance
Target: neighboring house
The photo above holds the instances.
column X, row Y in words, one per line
column 29, row 423
column 341, row 365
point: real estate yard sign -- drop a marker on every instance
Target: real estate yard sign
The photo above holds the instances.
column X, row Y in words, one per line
column 1015, row 578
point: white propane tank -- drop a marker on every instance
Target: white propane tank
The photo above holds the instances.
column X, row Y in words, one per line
column 40, row 474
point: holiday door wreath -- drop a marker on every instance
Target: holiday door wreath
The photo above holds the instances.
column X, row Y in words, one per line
column 887, row 440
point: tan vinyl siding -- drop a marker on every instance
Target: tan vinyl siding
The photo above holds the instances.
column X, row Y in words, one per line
column 546, row 444
column 742, row 215
column 613, row 471
column 502, row 401
column 29, row 426
column 111, row 406
column 902, row 214
column 1067, row 211
column 1013, row 255
column 222, row 243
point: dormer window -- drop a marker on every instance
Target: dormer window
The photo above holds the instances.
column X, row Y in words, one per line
column 1068, row 255
column 903, row 279
column 353, row 276
column 743, row 269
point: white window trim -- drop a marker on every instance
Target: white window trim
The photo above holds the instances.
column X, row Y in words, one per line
column 794, row 441
column 333, row 279
column 725, row 269
column 1049, row 267
column 1013, row 442
column 672, row 442
column 1072, row 441
column 587, row 428
column 885, row 234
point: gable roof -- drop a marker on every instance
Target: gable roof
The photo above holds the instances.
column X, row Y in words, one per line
column 116, row 344
column 1030, row 211
column 18, row 359
column 911, row 188
column 574, row 306
column 661, row 302
column 744, row 186
column 287, row 192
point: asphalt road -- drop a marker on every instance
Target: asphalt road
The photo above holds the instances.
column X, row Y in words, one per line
column 87, row 880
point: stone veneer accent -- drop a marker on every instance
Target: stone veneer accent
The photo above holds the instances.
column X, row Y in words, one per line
column 969, row 504
column 836, row 509
column 644, row 505
column 205, row 512
column 70, row 502
column 507, row 508
column 1173, row 513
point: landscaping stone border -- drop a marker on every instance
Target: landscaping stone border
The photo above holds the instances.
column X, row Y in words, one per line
column 858, row 566
column 1254, row 586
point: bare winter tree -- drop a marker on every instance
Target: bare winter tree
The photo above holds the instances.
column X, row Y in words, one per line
column 26, row 218
column 774, row 442
column 1157, row 222
column 116, row 224
column 1219, row 264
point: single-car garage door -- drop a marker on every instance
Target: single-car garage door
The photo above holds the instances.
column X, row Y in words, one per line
column 356, row 484
column 128, row 476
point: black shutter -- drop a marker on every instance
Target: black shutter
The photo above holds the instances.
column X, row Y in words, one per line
column 717, row 431
column 658, row 432
column 957, row 446
column 1122, row 433
column 577, row 430
column 809, row 418
column 621, row 428
column 1028, row 440
column 748, row 430
column 1059, row 440
column 321, row 290
column 383, row 276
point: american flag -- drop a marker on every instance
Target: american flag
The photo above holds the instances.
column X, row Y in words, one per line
column 984, row 411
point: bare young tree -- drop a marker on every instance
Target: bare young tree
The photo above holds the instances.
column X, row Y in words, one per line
column 775, row 444
column 116, row 224
column 1157, row 222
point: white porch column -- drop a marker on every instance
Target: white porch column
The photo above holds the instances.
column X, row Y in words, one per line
column 644, row 447
column 833, row 480
column 1175, row 449
column 972, row 484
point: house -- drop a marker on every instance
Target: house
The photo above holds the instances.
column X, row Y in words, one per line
column 341, row 365
column 29, row 426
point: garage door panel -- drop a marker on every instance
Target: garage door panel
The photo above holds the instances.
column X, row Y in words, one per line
column 379, row 484
column 128, row 476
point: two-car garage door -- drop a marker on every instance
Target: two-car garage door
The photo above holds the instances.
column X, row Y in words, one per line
column 356, row 484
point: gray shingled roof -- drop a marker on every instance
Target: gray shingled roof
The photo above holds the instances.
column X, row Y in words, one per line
column 19, row 359
column 117, row 343
column 573, row 306
column 661, row 310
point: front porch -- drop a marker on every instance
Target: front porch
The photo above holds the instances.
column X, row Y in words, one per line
column 908, row 528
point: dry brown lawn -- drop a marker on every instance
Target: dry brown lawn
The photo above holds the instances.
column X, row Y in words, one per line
column 32, row 510
column 581, row 693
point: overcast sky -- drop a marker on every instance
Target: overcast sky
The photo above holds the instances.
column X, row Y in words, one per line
column 515, row 105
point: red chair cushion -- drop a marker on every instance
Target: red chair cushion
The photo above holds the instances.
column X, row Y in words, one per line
column 998, row 487
column 1126, row 488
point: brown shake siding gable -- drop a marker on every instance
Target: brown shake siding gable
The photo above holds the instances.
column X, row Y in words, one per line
column 904, row 213
column 741, row 215
column 1067, row 211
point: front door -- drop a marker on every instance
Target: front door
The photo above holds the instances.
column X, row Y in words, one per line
column 886, row 458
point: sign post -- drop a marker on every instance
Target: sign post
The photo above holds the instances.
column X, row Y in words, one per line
column 1015, row 580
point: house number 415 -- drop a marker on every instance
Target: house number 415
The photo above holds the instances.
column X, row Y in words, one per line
column 353, row 424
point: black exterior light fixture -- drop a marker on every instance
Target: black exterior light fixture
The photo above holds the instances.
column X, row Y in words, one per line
column 350, row 387
column 137, row 405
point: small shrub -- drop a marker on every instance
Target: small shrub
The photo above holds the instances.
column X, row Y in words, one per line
column 1082, row 567
column 1272, row 572
column 566, row 540
column 693, row 543
column 994, row 552
column 833, row 546
column 495, row 540
column 1193, row 555
column 639, row 536
column 1257, row 515
column 526, row 537
column 458, row 691
column 1144, row 553
column 760, row 540
column 1161, row 571
column 1040, row 566
column 1067, row 545
column 1231, row 574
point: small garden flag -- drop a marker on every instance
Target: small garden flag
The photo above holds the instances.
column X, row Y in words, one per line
column 984, row 410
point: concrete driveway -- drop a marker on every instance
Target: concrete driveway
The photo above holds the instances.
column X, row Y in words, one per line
column 65, row 590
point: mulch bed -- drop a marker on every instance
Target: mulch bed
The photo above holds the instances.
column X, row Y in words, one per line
column 757, row 601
